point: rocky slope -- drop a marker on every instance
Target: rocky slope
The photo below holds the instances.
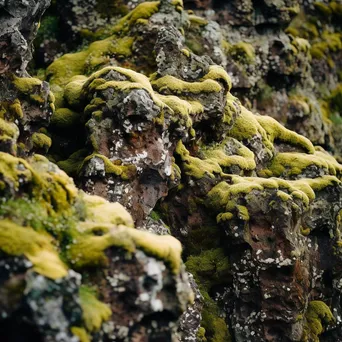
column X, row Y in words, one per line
column 156, row 115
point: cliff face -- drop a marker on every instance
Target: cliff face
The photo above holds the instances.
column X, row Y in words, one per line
column 219, row 134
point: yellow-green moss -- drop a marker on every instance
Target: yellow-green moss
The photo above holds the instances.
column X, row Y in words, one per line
column 317, row 315
column 195, row 20
column 217, row 73
column 143, row 11
column 8, row 130
column 26, row 85
column 64, row 68
column 12, row 169
column 94, row 311
column 186, row 52
column 16, row 109
column 248, row 125
column 41, row 141
column 177, row 86
column 292, row 164
column 215, row 159
column 88, row 250
column 37, row 247
column 73, row 164
column 323, row 8
column 210, row 268
column 222, row 198
column 81, row 334
column 124, row 171
column 243, row 52
column 65, row 118
column 101, row 211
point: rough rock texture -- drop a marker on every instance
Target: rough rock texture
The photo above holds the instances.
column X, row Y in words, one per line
column 145, row 118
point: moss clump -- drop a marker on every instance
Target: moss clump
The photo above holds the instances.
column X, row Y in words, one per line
column 65, row 118
column 81, row 334
column 331, row 42
column 210, row 268
column 26, row 85
column 291, row 164
column 124, row 171
column 73, row 164
column 8, row 130
column 41, row 141
column 248, row 125
column 37, row 247
column 86, row 61
column 101, row 211
column 94, row 311
column 175, row 86
column 324, row 9
column 216, row 160
column 335, row 99
column 195, row 20
column 224, row 198
column 88, row 250
column 143, row 11
column 317, row 314
column 242, row 52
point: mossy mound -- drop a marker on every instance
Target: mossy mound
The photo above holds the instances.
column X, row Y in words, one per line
column 57, row 228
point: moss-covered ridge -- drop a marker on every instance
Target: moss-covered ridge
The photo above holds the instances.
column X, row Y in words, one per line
column 44, row 218
column 54, row 193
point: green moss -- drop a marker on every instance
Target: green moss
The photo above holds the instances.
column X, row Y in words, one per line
column 195, row 20
column 176, row 86
column 94, row 311
column 124, row 171
column 81, row 334
column 73, row 164
column 324, row 9
column 293, row 31
column 186, row 52
column 290, row 164
column 48, row 29
column 65, row 118
column 143, row 11
column 317, row 314
column 155, row 215
column 336, row 8
column 331, row 42
column 248, row 125
column 101, row 211
column 27, row 85
column 41, row 141
column 217, row 73
column 12, row 169
column 223, row 198
column 210, row 268
column 242, row 52
column 201, row 335
column 335, row 99
column 17, row 240
column 215, row 159
column 97, row 54
column 216, row 329
column 8, row 130
column 89, row 249
column 16, row 110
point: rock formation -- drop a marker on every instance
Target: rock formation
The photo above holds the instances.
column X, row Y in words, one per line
column 215, row 140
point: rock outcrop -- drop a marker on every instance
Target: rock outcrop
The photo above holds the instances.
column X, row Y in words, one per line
column 146, row 119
